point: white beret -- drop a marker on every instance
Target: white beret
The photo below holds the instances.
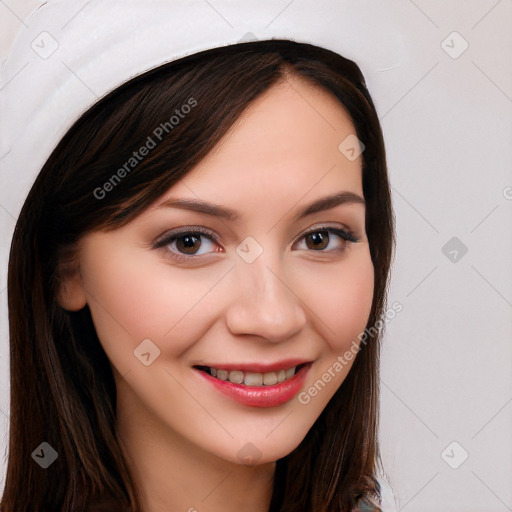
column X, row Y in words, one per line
column 70, row 53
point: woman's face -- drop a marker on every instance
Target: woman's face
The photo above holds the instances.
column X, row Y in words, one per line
column 257, row 296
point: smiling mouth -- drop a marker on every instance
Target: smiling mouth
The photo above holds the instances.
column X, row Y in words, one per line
column 245, row 378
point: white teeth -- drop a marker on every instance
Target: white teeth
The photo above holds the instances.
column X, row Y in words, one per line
column 236, row 377
column 253, row 378
column 222, row 374
column 269, row 379
column 289, row 373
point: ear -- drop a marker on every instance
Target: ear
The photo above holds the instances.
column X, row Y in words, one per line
column 70, row 293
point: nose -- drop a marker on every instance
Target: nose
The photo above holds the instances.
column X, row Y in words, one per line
column 263, row 304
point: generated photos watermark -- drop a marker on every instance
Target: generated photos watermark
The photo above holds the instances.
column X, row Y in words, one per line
column 344, row 359
column 151, row 142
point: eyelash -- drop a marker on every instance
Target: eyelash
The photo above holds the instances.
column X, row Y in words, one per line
column 346, row 234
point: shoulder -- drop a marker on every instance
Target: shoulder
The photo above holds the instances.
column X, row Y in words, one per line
column 389, row 502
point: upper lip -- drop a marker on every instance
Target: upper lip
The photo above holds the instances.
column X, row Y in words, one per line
column 258, row 367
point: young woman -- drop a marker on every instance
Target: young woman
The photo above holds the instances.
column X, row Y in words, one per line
column 191, row 284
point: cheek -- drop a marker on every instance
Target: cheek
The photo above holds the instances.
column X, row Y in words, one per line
column 342, row 298
column 135, row 298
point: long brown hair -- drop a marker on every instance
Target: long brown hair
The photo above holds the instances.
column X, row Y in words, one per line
column 62, row 386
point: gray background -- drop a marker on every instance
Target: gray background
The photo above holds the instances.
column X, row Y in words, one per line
column 447, row 366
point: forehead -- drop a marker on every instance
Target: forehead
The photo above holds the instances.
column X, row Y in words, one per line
column 285, row 144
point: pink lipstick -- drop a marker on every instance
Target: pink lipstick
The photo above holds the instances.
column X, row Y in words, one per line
column 270, row 394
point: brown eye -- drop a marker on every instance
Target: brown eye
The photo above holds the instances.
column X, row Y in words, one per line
column 319, row 240
column 188, row 244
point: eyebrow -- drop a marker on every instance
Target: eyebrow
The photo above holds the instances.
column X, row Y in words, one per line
column 321, row 204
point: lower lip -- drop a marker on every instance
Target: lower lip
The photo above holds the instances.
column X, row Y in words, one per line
column 261, row 396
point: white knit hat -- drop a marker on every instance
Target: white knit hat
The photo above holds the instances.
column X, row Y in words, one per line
column 69, row 53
